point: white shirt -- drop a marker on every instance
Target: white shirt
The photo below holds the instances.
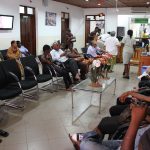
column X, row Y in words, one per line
column 104, row 37
column 128, row 44
column 92, row 50
column 111, row 44
column 56, row 55
column 23, row 50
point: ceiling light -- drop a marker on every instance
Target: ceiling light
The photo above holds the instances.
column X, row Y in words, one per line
column 99, row 4
column 86, row 0
column 147, row 3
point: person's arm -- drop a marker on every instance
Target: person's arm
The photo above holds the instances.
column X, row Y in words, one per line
column 44, row 60
column 137, row 115
column 134, row 94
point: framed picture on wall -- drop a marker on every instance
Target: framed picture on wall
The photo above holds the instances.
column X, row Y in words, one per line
column 50, row 19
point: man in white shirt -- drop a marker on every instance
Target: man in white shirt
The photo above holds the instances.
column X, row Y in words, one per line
column 60, row 56
column 111, row 45
column 93, row 50
column 24, row 51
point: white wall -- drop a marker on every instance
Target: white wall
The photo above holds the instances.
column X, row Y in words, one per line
column 44, row 34
column 114, row 18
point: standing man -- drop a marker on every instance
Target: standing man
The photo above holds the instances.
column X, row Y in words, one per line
column 112, row 45
column 69, row 39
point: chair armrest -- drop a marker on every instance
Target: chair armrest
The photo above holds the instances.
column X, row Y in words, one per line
column 48, row 69
column 59, row 64
column 29, row 70
column 14, row 78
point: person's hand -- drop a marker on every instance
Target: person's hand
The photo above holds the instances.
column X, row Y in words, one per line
column 138, row 113
column 123, row 97
column 63, row 54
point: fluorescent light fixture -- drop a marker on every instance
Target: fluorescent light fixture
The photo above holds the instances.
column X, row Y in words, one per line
column 86, row 0
column 98, row 4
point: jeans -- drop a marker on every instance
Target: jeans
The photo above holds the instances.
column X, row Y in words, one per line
column 90, row 142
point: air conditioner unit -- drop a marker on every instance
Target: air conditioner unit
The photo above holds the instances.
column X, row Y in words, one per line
column 140, row 10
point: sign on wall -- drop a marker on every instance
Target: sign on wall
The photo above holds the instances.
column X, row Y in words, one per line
column 50, row 19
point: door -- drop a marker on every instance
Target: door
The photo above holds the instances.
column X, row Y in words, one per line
column 64, row 26
column 28, row 29
column 87, row 31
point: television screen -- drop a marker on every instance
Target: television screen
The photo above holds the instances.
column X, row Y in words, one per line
column 6, row 22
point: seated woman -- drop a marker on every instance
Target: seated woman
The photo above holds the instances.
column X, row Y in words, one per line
column 74, row 54
column 92, row 140
column 47, row 60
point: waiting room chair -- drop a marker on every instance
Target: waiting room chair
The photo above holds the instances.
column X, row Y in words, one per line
column 29, row 82
column 10, row 88
column 30, row 62
column 4, row 54
column 56, row 77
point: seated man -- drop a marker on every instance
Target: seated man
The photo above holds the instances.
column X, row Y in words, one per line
column 13, row 52
column 93, row 50
column 22, row 49
column 92, row 140
column 74, row 54
column 46, row 59
column 60, row 56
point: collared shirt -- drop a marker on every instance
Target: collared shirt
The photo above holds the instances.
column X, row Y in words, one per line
column 23, row 50
column 13, row 55
column 56, row 55
column 93, row 50
column 111, row 44
column 128, row 44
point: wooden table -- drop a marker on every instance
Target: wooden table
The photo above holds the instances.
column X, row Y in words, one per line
column 145, row 61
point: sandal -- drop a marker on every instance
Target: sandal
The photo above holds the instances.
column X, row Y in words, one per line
column 76, row 144
column 3, row 133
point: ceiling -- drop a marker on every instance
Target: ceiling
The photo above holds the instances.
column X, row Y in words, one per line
column 106, row 3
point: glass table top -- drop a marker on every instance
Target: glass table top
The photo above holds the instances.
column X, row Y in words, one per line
column 85, row 85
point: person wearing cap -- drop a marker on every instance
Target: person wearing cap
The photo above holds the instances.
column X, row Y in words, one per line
column 60, row 56
column 112, row 46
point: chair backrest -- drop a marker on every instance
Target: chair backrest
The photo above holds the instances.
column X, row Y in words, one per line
column 4, row 53
column 11, row 66
column 30, row 61
column 84, row 50
column 3, row 77
column 135, row 60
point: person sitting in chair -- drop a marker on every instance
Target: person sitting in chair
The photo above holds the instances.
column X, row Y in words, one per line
column 47, row 59
column 13, row 52
column 93, row 50
column 93, row 140
column 70, row 64
column 74, row 54
column 22, row 49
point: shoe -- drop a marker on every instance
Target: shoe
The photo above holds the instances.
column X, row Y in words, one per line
column 3, row 133
column 123, row 73
column 126, row 77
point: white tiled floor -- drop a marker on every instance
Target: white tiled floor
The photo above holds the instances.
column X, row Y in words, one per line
column 45, row 125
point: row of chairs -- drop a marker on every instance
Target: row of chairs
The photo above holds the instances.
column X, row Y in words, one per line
column 12, row 84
